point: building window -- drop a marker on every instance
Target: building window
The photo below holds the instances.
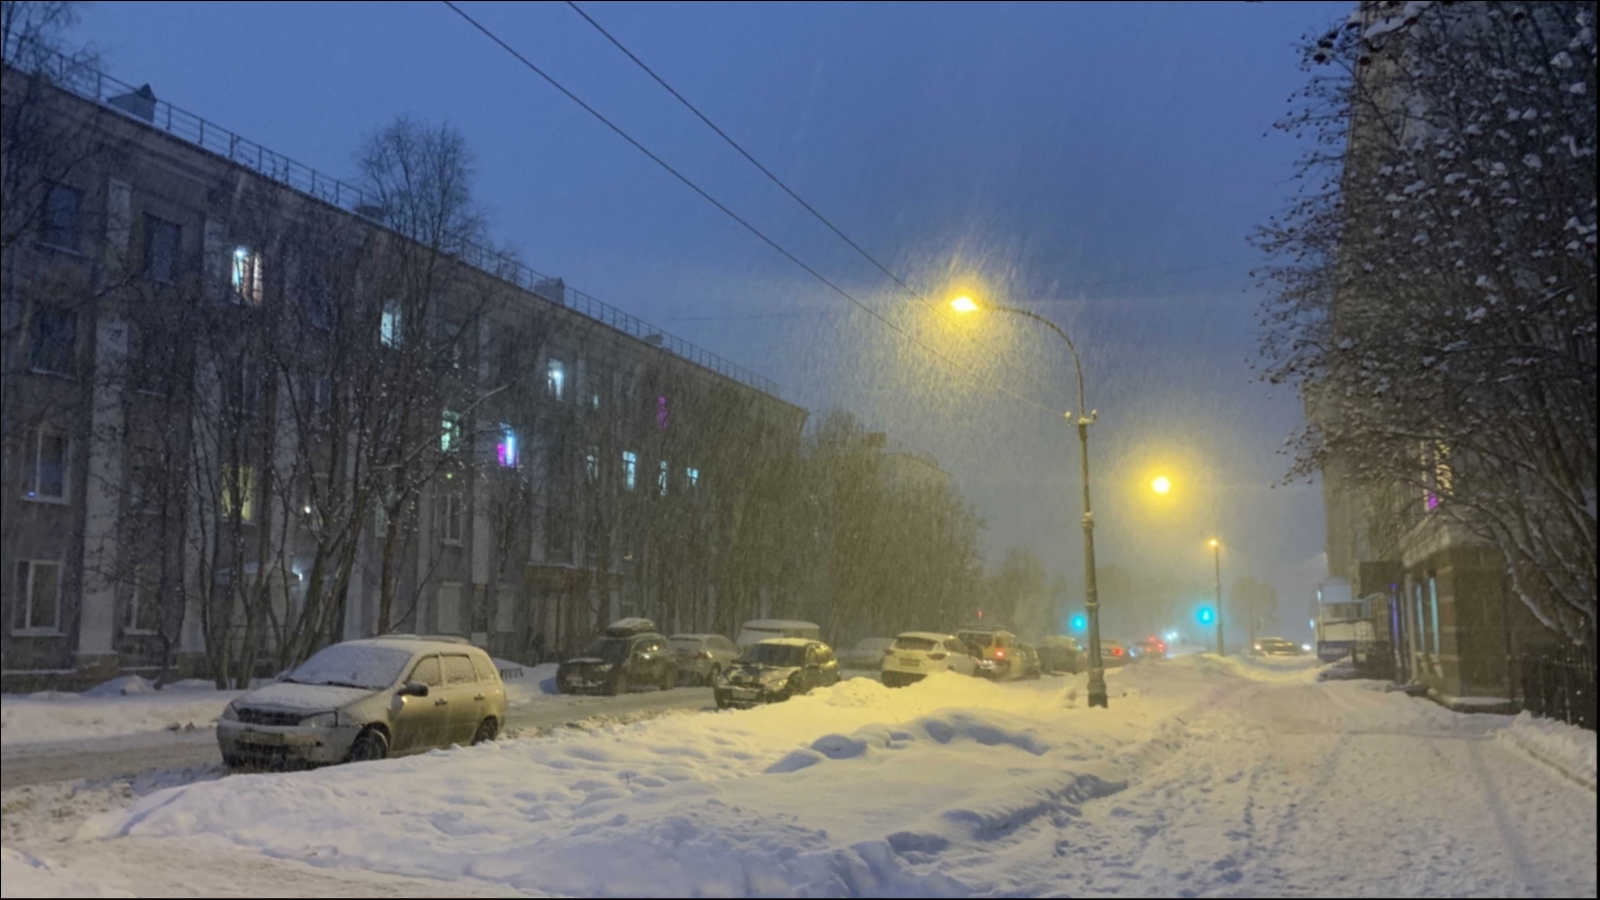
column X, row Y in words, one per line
column 144, row 606
column 55, row 340
column 661, row 412
column 595, row 379
column 630, row 469
column 450, row 432
column 246, row 275
column 556, row 379
column 38, row 589
column 451, row 516
column 241, row 389
column 389, row 324
column 692, row 476
column 162, row 243
column 1437, row 474
column 1433, row 609
column 59, row 225
column 46, row 476
column 321, row 395
column 661, row 479
column 239, row 493
column 558, row 533
column 507, row 452
column 591, row 464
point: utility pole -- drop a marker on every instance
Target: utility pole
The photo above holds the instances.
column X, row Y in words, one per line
column 1216, row 557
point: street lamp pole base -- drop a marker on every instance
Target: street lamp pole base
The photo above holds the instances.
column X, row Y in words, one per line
column 1097, row 689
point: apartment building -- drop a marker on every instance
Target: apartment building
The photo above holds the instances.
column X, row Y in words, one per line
column 247, row 413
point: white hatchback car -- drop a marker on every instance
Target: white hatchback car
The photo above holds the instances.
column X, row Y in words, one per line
column 916, row 654
column 365, row 700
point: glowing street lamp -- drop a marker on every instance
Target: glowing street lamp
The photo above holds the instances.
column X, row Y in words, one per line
column 1086, row 417
column 1162, row 485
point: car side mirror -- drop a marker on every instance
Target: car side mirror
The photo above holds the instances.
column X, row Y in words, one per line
column 414, row 689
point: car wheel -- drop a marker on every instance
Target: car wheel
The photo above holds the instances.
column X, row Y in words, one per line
column 711, row 677
column 619, row 684
column 722, row 700
column 487, row 729
column 233, row 762
column 370, row 745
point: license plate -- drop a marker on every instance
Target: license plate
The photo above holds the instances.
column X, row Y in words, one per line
column 262, row 738
column 908, row 661
column 746, row 693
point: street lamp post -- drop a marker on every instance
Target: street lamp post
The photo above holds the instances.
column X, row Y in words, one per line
column 1097, row 673
column 1216, row 558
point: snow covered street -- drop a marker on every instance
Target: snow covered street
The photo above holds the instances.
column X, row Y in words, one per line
column 1206, row 777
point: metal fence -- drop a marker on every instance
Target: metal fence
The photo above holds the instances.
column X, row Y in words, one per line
column 89, row 83
column 1559, row 683
column 1373, row 659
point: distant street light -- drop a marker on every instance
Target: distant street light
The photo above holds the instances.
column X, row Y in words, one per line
column 1161, row 485
column 1086, row 417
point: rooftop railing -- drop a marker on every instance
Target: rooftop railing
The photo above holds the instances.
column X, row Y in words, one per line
column 90, row 83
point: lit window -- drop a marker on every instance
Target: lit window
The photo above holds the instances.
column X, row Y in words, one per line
column 38, row 587
column 630, row 469
column 389, row 326
column 556, row 379
column 450, row 432
column 506, row 452
column 239, row 493
column 246, row 277
column 661, row 479
column 692, row 475
column 46, row 475
column 591, row 464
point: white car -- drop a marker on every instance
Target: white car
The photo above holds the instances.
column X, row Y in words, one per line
column 702, row 657
column 916, row 654
column 866, row 654
column 757, row 630
column 366, row 700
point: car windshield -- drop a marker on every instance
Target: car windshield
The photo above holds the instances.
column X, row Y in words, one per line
column 610, row 650
column 684, row 643
column 981, row 638
column 370, row 666
column 775, row 655
column 914, row 643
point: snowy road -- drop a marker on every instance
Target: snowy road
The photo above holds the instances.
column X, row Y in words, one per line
column 1205, row 778
column 26, row 764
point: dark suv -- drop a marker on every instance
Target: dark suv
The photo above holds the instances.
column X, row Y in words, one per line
column 619, row 662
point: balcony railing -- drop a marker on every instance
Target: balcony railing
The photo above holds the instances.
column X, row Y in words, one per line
column 90, row 83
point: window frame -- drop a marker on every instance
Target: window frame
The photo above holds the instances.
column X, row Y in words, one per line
column 35, row 348
column 242, row 507
column 391, row 325
column 411, row 677
column 144, row 583
column 247, row 276
column 451, row 530
column 153, row 225
column 630, row 470
column 47, row 224
column 555, row 379
column 23, row 625
column 31, row 476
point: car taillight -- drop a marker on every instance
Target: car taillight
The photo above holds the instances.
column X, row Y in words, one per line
column 936, row 656
column 1116, row 651
column 1000, row 653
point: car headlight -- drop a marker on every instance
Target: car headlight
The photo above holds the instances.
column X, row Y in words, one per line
column 230, row 714
column 321, row 720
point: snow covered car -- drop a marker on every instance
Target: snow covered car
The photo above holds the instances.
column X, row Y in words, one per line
column 993, row 648
column 866, row 653
column 757, row 630
column 1028, row 662
column 702, row 657
column 916, row 654
column 1059, row 655
column 366, row 700
column 1113, row 654
column 1276, row 646
column 774, row 670
column 618, row 662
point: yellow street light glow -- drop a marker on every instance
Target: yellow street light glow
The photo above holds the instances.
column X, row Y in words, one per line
column 1213, row 542
column 1161, row 485
column 963, row 304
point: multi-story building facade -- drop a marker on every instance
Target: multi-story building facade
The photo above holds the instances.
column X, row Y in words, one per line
column 250, row 409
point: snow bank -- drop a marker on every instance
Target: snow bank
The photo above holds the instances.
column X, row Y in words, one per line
column 25, row 875
column 122, row 706
column 1566, row 747
column 713, row 804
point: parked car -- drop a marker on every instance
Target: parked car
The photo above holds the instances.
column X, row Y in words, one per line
column 1153, row 648
column 702, row 657
column 366, row 700
column 774, row 670
column 1027, row 661
column 868, row 653
column 619, row 661
column 916, row 654
column 1276, row 646
column 1060, row 655
column 757, row 630
column 992, row 648
column 1114, row 654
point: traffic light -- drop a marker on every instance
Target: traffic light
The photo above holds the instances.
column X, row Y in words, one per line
column 1207, row 615
column 1079, row 622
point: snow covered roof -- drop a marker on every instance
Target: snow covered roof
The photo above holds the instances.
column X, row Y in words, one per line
column 789, row 642
column 778, row 624
column 930, row 635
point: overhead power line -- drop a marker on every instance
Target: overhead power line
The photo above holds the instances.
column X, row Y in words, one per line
column 937, row 309
column 985, row 380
